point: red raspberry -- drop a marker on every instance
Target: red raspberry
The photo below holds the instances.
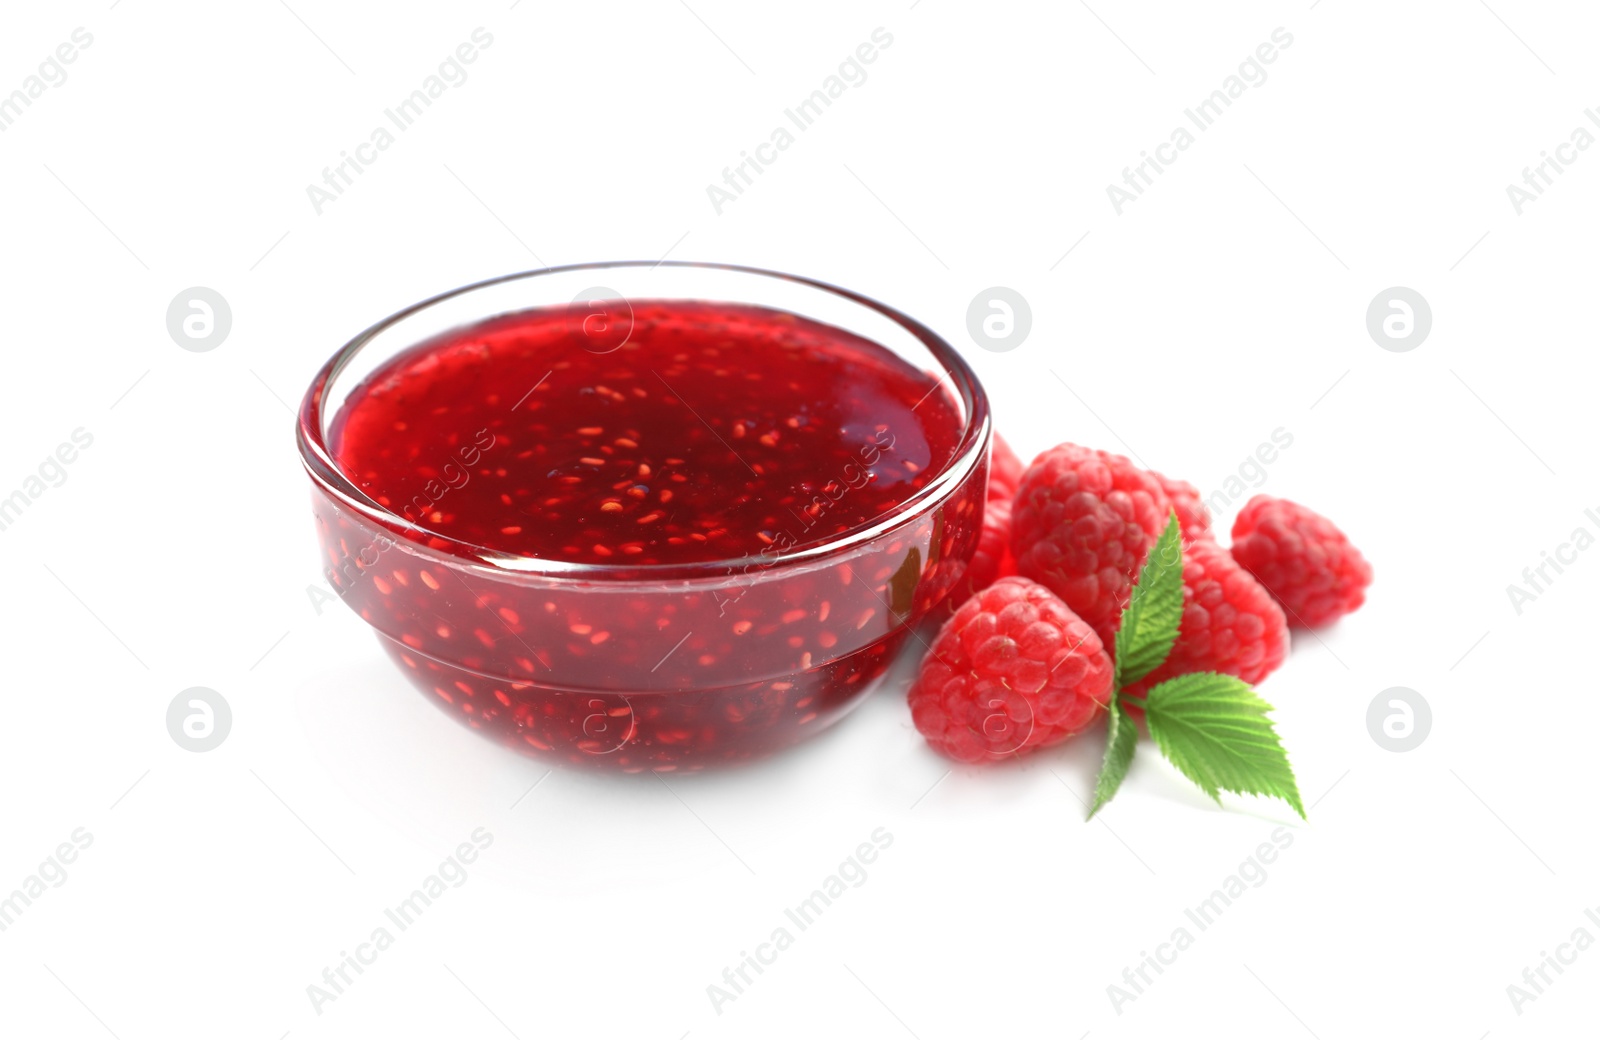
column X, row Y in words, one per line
column 1194, row 520
column 993, row 558
column 1082, row 524
column 1230, row 624
column 1012, row 671
column 1306, row 562
column 1005, row 469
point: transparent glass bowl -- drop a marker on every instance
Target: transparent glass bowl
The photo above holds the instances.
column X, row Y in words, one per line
column 701, row 663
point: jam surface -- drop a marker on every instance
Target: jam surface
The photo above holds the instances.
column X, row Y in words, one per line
column 676, row 433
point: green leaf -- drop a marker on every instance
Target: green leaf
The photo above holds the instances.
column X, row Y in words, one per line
column 1121, row 735
column 1150, row 620
column 1215, row 730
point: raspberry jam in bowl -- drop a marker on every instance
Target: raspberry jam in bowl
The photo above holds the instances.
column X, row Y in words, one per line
column 646, row 516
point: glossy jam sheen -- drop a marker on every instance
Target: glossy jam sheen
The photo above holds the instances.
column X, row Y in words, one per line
column 713, row 432
column 690, row 433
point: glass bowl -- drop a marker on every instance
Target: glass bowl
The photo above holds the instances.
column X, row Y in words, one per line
column 663, row 667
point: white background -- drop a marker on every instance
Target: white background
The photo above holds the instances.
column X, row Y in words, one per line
column 1228, row 301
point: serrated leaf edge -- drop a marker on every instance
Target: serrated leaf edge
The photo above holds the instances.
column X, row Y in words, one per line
column 1139, row 650
column 1258, row 706
column 1116, row 763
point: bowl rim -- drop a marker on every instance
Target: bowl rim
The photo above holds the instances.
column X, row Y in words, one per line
column 327, row 475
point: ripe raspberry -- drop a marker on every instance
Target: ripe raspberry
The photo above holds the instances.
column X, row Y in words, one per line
column 1012, row 671
column 1194, row 520
column 1082, row 524
column 1230, row 624
column 993, row 558
column 1306, row 562
column 1005, row 469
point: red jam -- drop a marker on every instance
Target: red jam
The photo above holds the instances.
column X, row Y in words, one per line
column 707, row 435
column 688, row 452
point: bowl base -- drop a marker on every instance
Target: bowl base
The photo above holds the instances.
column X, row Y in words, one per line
column 662, row 731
